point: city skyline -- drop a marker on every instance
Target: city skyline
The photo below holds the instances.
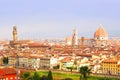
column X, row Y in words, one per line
column 57, row 19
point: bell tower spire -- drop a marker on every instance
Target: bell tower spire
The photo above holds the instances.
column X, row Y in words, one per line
column 15, row 37
column 75, row 38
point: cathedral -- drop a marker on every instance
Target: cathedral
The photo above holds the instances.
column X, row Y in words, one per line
column 100, row 37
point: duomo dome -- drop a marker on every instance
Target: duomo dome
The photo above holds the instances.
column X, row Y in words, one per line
column 100, row 34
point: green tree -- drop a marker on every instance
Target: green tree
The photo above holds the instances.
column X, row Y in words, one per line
column 85, row 71
column 56, row 67
column 26, row 76
column 36, row 76
column 71, row 68
column 43, row 77
column 49, row 77
column 5, row 60
column 101, row 79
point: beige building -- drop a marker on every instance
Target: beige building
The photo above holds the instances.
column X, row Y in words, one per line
column 110, row 66
column 45, row 63
column 12, row 61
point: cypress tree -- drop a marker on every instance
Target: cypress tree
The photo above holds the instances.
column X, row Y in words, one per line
column 49, row 77
column 5, row 60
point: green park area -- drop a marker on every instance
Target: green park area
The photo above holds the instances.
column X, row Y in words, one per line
column 57, row 75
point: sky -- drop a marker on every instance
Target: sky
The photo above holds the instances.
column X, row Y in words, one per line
column 38, row 19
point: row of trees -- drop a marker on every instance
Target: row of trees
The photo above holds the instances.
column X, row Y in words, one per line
column 36, row 76
column 85, row 71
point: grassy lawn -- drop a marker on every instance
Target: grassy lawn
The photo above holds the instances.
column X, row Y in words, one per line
column 68, row 76
column 98, row 77
column 60, row 75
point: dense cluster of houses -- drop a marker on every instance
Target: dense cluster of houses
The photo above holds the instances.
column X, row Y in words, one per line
column 60, row 57
column 100, row 54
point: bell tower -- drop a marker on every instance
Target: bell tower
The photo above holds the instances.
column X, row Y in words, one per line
column 15, row 37
column 75, row 38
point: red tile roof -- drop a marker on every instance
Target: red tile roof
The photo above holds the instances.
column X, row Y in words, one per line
column 66, row 59
column 110, row 60
column 6, row 71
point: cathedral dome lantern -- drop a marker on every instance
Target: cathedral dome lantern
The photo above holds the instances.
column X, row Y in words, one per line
column 100, row 34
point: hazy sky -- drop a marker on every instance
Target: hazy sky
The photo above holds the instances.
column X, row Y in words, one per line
column 58, row 18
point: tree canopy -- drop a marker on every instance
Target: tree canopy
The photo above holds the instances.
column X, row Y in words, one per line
column 85, row 71
column 26, row 76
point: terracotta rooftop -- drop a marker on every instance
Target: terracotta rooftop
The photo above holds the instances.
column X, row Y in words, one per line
column 87, row 55
column 110, row 60
column 66, row 59
column 7, row 71
column 68, row 38
column 36, row 45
